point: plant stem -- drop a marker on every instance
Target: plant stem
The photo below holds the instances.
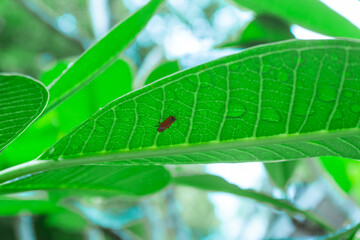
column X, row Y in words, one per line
column 26, row 168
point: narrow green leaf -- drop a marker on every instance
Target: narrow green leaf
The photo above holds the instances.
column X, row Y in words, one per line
column 133, row 181
column 100, row 56
column 22, row 100
column 114, row 82
column 274, row 102
column 164, row 69
column 263, row 29
column 311, row 14
column 281, row 172
column 218, row 184
column 347, row 233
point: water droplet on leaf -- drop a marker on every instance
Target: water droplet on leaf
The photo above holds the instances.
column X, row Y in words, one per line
column 355, row 108
column 283, row 76
column 270, row 115
column 327, row 94
column 334, row 57
column 236, row 109
column 348, row 94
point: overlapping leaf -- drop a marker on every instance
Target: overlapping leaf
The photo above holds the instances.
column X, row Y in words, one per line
column 22, row 100
column 103, row 54
column 133, row 181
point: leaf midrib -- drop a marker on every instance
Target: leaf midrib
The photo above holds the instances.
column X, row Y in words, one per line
column 206, row 147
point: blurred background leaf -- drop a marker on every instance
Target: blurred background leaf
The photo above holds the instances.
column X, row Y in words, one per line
column 263, row 29
column 323, row 19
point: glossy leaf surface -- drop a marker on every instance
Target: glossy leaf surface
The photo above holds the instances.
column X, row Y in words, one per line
column 278, row 101
column 22, row 100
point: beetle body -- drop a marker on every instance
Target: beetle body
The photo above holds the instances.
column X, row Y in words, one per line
column 166, row 123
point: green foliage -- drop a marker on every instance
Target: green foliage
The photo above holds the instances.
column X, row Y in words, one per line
column 100, row 56
column 322, row 20
column 11, row 206
column 218, row 184
column 133, row 181
column 22, row 100
column 263, row 29
column 281, row 172
column 112, row 83
column 163, row 70
column 346, row 233
column 228, row 105
column 337, row 168
column 282, row 101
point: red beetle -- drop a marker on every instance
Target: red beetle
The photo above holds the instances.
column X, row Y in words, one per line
column 166, row 123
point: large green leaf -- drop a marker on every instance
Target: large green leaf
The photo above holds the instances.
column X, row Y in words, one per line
column 114, row 82
column 274, row 102
column 100, row 56
column 22, row 100
column 133, row 181
column 311, row 14
column 246, row 107
column 218, row 184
